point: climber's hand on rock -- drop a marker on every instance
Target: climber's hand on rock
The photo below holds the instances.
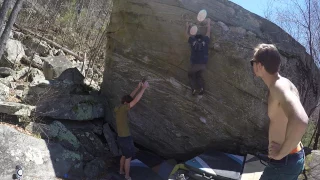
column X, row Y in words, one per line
column 145, row 85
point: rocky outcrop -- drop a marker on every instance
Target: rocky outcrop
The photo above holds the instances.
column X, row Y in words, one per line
column 39, row 160
column 53, row 66
column 73, row 107
column 13, row 53
column 312, row 166
column 146, row 39
column 16, row 109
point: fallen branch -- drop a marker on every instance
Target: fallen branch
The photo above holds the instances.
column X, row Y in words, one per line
column 54, row 44
column 27, row 61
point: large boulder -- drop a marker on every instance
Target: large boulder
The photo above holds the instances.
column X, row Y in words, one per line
column 72, row 107
column 57, row 131
column 39, row 159
column 13, row 53
column 147, row 40
column 16, row 109
column 53, row 66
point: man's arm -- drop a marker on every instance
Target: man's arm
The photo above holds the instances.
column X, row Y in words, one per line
column 208, row 27
column 139, row 95
column 134, row 92
column 186, row 30
column 297, row 119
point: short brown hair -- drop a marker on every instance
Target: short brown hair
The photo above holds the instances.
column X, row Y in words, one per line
column 269, row 56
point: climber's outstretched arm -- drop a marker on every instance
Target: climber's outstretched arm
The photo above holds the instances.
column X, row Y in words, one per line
column 208, row 27
column 186, row 30
column 144, row 86
column 134, row 92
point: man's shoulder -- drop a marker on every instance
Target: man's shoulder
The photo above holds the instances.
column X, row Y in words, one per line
column 122, row 107
column 281, row 87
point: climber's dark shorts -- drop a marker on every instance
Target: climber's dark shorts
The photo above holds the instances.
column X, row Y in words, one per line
column 126, row 146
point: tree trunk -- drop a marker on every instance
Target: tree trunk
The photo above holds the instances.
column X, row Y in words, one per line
column 13, row 16
column 3, row 12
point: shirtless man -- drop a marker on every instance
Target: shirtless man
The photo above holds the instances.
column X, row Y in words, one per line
column 288, row 119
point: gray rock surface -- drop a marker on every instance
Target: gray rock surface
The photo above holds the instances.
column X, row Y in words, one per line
column 13, row 53
column 56, row 130
column 36, row 46
column 148, row 40
column 4, row 92
column 53, row 66
column 111, row 140
column 17, row 109
column 38, row 159
column 312, row 166
column 94, row 168
column 91, row 142
column 72, row 107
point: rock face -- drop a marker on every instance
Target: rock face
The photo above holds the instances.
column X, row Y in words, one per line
column 16, row 109
column 147, row 40
column 73, row 107
column 40, row 160
column 312, row 166
column 13, row 53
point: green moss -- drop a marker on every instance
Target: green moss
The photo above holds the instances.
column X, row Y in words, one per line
column 70, row 155
column 64, row 134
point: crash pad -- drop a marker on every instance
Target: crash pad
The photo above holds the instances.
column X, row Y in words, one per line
column 218, row 165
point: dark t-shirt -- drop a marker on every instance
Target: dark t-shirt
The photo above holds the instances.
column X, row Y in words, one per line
column 199, row 49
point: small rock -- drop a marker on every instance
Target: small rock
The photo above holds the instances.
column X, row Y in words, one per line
column 19, row 93
column 35, row 76
column 4, row 92
column 5, row 71
column 18, row 35
column 60, row 53
column 37, row 59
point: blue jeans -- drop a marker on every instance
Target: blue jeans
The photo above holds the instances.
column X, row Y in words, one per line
column 288, row 168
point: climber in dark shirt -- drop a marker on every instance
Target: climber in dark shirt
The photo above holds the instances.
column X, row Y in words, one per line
column 199, row 45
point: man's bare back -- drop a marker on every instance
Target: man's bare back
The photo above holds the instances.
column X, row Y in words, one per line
column 278, row 118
